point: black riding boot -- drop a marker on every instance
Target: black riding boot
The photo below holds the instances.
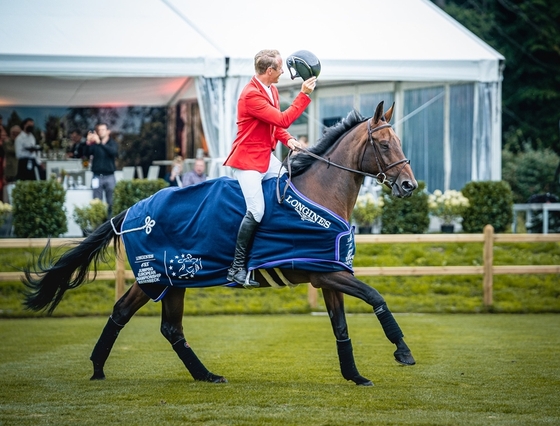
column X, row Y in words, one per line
column 238, row 270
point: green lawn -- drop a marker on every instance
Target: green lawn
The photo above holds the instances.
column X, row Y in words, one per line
column 497, row 369
column 435, row 294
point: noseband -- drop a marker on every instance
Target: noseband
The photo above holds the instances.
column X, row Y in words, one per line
column 380, row 177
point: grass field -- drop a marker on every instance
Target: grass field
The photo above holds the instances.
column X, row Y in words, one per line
column 427, row 294
column 497, row 369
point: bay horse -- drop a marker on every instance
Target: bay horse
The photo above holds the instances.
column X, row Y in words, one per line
column 330, row 174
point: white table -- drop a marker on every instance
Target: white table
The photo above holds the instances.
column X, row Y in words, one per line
column 57, row 166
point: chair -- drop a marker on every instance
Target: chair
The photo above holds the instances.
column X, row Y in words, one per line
column 128, row 173
column 139, row 172
column 153, row 172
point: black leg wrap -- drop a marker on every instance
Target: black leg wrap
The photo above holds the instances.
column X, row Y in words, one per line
column 389, row 324
column 193, row 364
column 347, row 364
column 394, row 334
column 103, row 348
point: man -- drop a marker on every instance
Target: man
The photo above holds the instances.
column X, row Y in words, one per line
column 260, row 125
column 103, row 151
column 196, row 175
column 10, row 160
column 29, row 168
column 3, row 140
column 78, row 148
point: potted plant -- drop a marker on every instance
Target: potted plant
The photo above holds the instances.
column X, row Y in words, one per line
column 448, row 206
column 366, row 210
column 90, row 216
column 5, row 218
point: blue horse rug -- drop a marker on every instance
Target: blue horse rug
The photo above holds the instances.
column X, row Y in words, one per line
column 185, row 237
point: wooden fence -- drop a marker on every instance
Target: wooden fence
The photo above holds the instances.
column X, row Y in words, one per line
column 487, row 269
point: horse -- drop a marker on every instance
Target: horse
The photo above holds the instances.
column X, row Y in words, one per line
column 330, row 174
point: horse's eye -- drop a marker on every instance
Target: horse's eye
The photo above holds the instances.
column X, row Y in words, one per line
column 384, row 145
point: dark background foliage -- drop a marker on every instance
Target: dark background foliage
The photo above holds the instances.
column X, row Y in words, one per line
column 406, row 215
column 129, row 192
column 38, row 209
column 490, row 203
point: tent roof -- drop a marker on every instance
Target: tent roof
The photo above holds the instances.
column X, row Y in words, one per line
column 144, row 52
column 397, row 40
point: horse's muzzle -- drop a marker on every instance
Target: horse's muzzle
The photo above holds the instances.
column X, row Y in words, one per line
column 405, row 188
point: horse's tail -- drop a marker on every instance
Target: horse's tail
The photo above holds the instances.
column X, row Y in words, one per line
column 48, row 280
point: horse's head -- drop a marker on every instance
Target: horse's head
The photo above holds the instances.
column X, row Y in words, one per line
column 384, row 156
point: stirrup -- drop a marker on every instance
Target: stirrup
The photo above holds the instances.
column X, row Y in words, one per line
column 242, row 277
column 249, row 283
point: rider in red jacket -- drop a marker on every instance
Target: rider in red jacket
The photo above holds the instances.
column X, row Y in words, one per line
column 260, row 125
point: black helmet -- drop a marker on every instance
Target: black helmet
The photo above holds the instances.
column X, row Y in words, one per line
column 303, row 64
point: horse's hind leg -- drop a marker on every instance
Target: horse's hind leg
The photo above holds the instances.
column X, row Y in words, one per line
column 172, row 329
column 123, row 311
column 334, row 301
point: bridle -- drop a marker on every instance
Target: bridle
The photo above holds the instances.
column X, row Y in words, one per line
column 380, row 177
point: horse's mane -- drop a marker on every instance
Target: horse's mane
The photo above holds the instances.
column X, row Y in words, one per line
column 301, row 162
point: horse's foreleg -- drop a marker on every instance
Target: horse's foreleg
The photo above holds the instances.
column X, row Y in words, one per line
column 172, row 330
column 334, row 301
column 123, row 311
column 348, row 284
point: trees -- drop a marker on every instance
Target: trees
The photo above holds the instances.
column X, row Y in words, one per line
column 528, row 35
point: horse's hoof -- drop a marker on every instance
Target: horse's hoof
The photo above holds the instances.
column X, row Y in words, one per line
column 220, row 379
column 213, row 378
column 404, row 358
column 98, row 376
column 362, row 381
column 402, row 354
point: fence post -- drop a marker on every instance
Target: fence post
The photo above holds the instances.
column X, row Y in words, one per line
column 488, row 259
column 119, row 280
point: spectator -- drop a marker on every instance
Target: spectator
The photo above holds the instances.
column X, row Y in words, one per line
column 174, row 177
column 3, row 140
column 79, row 145
column 103, row 151
column 197, row 174
column 10, row 160
column 29, row 167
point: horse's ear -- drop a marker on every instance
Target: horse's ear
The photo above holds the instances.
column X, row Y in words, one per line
column 389, row 114
column 378, row 113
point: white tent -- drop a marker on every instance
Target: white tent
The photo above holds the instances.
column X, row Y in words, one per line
column 105, row 52
column 147, row 52
column 99, row 53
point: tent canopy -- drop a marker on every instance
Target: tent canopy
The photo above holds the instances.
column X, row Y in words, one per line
column 145, row 52
column 380, row 40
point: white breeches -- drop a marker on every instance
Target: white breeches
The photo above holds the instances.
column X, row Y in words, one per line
column 251, row 186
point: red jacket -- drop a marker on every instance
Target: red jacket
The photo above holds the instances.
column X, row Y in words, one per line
column 260, row 125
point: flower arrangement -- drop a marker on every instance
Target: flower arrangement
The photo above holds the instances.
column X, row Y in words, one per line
column 367, row 209
column 5, row 210
column 448, row 205
column 91, row 216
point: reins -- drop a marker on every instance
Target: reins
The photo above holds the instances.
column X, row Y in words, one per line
column 380, row 177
